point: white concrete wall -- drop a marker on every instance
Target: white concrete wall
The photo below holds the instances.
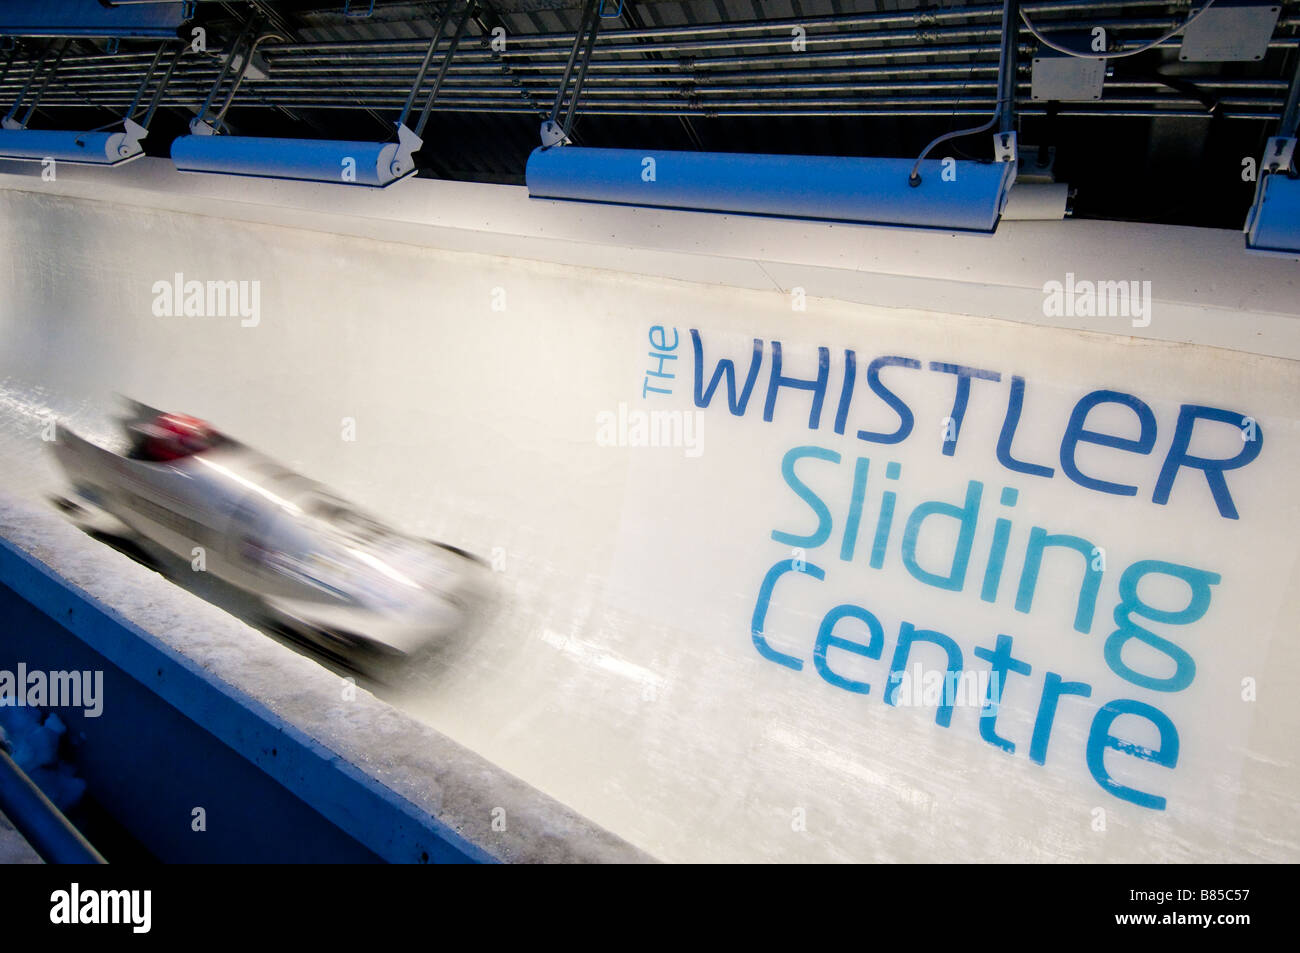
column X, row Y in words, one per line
column 615, row 668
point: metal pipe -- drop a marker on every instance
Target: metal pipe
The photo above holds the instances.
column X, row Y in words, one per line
column 881, row 93
column 712, row 84
column 39, row 821
column 813, row 107
column 504, row 105
column 424, row 67
column 22, row 94
column 461, row 74
column 1007, row 71
column 1006, row 92
column 9, row 61
column 582, row 75
column 588, row 9
column 1290, row 123
column 671, row 87
column 162, row 86
column 225, row 70
column 561, row 40
column 782, row 25
column 446, row 64
column 144, row 83
column 371, row 64
column 220, row 117
column 45, row 84
column 614, row 40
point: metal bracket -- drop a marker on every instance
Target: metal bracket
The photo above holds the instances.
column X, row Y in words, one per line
column 162, row 87
column 1031, row 169
column 1279, row 155
column 610, row 16
column 584, row 41
column 1068, row 79
column 553, row 134
column 134, row 133
column 470, row 6
column 347, row 10
column 113, row 44
column 1271, row 227
column 1006, row 151
column 1004, row 147
column 408, row 143
column 256, row 68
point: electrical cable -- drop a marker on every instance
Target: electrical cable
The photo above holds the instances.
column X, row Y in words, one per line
column 1093, row 55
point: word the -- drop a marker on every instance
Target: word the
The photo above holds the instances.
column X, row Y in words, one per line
column 662, row 353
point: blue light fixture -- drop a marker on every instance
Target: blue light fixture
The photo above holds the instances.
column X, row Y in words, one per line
column 81, row 148
column 96, row 147
column 91, row 18
column 372, row 164
column 1273, row 223
column 957, row 194
column 965, row 195
column 375, row 164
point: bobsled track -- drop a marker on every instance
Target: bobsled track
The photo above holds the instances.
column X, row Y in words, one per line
column 688, row 648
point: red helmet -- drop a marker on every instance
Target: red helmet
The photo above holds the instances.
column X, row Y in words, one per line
column 172, row 436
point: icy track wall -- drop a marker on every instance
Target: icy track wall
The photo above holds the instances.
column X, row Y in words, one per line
column 895, row 586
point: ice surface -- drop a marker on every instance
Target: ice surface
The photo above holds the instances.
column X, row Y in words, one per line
column 614, row 666
column 14, row 849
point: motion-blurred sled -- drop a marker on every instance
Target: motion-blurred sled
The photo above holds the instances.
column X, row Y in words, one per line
column 323, row 569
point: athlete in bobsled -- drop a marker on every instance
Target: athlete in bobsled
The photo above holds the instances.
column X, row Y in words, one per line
column 322, row 568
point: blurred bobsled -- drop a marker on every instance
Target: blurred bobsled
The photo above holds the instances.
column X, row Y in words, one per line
column 323, row 569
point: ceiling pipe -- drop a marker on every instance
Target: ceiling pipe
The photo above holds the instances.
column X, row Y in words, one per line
column 610, row 85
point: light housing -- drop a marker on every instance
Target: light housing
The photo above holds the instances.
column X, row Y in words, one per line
column 965, row 195
column 90, row 18
column 1273, row 222
column 373, row 164
column 81, row 148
